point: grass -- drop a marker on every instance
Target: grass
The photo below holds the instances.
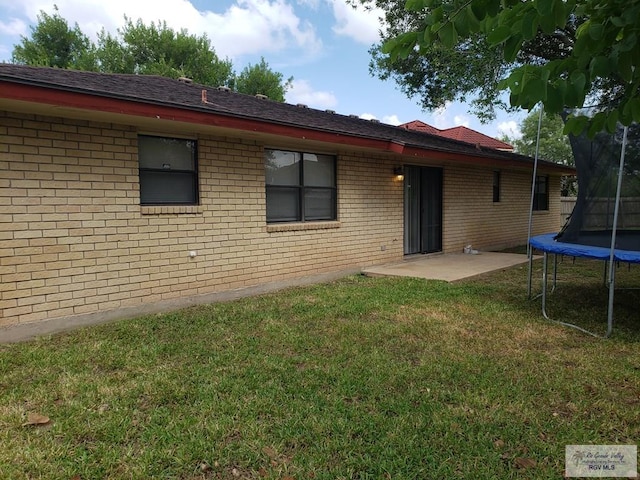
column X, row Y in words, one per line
column 358, row 379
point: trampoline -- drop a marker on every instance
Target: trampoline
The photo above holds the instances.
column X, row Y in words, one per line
column 605, row 222
column 548, row 244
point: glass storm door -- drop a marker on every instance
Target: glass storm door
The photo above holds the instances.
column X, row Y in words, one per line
column 422, row 210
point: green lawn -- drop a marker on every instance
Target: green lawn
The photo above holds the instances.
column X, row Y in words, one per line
column 358, row 379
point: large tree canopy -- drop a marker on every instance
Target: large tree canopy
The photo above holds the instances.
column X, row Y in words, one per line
column 260, row 79
column 136, row 48
column 561, row 53
column 54, row 43
column 156, row 49
column 468, row 72
column 552, row 146
column 435, row 74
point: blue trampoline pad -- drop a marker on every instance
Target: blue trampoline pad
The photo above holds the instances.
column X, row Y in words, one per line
column 546, row 243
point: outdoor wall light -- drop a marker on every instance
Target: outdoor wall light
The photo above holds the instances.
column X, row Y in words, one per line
column 399, row 173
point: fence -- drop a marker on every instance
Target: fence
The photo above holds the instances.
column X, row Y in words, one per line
column 600, row 214
column 566, row 207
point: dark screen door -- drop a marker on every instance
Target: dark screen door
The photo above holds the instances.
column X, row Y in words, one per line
column 422, row 210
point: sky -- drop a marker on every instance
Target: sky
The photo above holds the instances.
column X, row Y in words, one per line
column 323, row 44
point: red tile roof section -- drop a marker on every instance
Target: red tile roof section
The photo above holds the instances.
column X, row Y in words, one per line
column 461, row 133
column 419, row 126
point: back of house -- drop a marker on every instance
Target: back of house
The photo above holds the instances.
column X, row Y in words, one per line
column 123, row 194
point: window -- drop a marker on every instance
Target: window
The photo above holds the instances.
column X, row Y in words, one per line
column 168, row 171
column 496, row 186
column 300, row 187
column 541, row 193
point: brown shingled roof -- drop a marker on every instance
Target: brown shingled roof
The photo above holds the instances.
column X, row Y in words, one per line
column 164, row 91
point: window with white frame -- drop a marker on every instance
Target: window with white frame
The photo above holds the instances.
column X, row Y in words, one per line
column 168, row 171
column 300, row 187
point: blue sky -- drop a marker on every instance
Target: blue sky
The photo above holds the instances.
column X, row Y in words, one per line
column 323, row 44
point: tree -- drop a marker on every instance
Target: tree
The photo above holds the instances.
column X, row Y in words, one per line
column 54, row 44
column 156, row 49
column 555, row 52
column 261, row 79
column 137, row 48
column 553, row 145
column 469, row 71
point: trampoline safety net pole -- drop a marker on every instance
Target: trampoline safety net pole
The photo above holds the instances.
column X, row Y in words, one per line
column 612, row 281
column 533, row 192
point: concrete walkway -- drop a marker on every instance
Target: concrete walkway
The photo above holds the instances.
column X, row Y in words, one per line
column 449, row 267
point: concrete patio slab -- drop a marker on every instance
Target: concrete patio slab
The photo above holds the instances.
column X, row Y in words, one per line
column 448, row 267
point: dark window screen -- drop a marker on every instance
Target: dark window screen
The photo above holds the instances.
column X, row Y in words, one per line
column 168, row 171
column 300, row 187
column 496, row 186
column 541, row 193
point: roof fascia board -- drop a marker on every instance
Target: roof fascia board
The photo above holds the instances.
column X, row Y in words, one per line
column 520, row 163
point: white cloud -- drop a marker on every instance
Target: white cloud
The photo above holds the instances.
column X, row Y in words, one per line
column 14, row 26
column 357, row 23
column 391, row 120
column 302, row 92
column 510, row 129
column 446, row 117
column 246, row 27
column 441, row 117
column 260, row 26
column 461, row 120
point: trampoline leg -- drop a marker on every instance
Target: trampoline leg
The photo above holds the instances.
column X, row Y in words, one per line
column 544, row 285
column 530, row 253
column 612, row 287
column 555, row 272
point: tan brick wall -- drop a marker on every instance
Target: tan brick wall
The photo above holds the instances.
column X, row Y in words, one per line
column 471, row 216
column 74, row 239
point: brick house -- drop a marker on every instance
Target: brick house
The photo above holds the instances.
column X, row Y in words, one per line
column 124, row 194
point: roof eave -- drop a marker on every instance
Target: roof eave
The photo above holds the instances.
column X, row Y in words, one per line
column 58, row 96
column 73, row 99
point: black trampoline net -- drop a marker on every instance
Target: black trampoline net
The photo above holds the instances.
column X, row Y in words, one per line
column 597, row 163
